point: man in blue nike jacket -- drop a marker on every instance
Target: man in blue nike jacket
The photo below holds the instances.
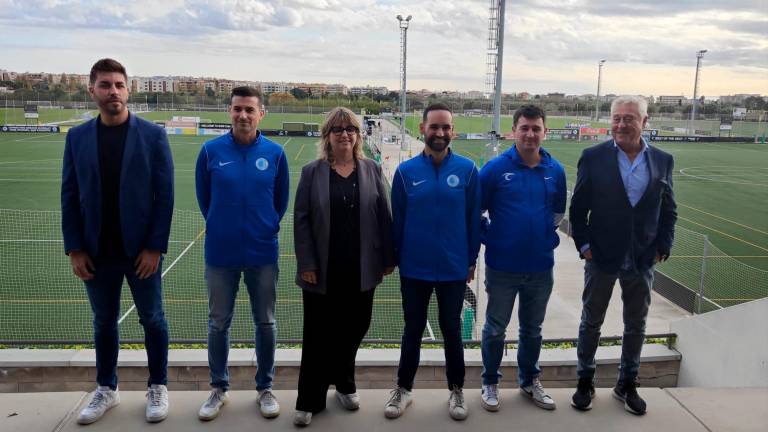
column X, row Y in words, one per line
column 436, row 228
column 242, row 190
column 524, row 192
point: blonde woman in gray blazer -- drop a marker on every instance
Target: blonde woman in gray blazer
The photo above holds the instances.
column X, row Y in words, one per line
column 342, row 235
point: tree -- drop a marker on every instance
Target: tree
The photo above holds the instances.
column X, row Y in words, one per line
column 299, row 93
column 755, row 103
column 281, row 98
column 210, row 92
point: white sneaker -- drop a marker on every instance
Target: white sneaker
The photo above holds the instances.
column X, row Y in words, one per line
column 268, row 404
column 348, row 401
column 398, row 401
column 489, row 397
column 536, row 393
column 211, row 408
column 157, row 403
column 103, row 398
column 456, row 408
column 302, row 418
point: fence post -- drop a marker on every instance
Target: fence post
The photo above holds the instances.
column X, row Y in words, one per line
column 702, row 278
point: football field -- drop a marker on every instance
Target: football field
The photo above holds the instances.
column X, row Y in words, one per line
column 41, row 300
column 721, row 191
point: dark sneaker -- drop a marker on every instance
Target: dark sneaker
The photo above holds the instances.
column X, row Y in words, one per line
column 632, row 401
column 585, row 392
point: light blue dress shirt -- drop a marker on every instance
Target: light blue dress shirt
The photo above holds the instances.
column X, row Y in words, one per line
column 634, row 174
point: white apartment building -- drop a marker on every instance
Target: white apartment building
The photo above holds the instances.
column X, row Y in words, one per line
column 368, row 90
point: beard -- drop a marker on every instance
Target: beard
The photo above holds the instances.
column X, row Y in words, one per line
column 438, row 146
column 111, row 108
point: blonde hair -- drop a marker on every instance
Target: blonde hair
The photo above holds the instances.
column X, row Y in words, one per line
column 337, row 117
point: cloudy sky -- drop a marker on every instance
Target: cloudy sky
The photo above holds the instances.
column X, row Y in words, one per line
column 550, row 45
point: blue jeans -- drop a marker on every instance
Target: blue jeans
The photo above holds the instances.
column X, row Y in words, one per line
column 534, row 290
column 450, row 299
column 104, row 295
column 636, row 296
column 223, row 284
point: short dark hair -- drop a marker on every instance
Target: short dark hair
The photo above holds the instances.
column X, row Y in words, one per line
column 531, row 112
column 247, row 91
column 437, row 106
column 107, row 65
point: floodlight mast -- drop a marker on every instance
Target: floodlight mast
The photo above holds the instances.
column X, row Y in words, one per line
column 699, row 56
column 599, row 82
column 494, row 61
column 404, row 22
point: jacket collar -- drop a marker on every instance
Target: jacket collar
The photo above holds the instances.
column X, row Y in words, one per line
column 428, row 158
column 512, row 154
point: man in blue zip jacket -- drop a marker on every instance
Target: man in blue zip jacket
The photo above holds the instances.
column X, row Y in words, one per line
column 242, row 190
column 436, row 228
column 524, row 192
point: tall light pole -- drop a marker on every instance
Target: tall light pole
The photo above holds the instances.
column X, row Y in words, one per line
column 699, row 56
column 404, row 22
column 599, row 82
column 494, row 61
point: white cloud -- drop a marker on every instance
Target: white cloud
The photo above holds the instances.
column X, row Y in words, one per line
column 550, row 45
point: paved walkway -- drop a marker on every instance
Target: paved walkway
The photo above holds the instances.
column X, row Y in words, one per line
column 674, row 409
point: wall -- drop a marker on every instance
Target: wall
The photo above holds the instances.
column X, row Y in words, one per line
column 724, row 348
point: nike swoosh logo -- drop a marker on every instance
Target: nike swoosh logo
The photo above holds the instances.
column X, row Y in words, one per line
column 224, row 163
column 508, row 175
column 416, row 183
column 547, row 178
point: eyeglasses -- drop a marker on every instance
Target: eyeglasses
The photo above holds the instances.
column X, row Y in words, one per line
column 337, row 130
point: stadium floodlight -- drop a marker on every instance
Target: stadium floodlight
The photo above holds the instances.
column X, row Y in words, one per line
column 699, row 56
column 404, row 22
column 599, row 81
column 494, row 61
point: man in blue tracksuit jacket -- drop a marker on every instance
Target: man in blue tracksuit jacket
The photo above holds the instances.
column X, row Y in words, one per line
column 241, row 180
column 436, row 224
column 524, row 192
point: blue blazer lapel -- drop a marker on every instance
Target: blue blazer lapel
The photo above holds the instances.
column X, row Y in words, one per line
column 93, row 165
column 615, row 172
column 653, row 172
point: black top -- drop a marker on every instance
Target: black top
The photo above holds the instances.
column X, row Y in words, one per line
column 111, row 144
column 344, row 245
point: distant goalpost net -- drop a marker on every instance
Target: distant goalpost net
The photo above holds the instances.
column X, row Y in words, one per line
column 138, row 107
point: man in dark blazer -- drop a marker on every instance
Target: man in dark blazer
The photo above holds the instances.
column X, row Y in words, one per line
column 116, row 209
column 623, row 216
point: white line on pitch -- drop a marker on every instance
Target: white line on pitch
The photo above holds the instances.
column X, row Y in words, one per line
column 165, row 272
column 431, row 333
column 29, row 161
column 57, row 241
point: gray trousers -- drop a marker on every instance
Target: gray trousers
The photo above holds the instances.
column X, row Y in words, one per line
column 636, row 296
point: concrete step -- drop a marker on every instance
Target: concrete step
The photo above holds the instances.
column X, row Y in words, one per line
column 24, row 370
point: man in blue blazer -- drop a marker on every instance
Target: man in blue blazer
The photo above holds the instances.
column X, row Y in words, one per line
column 623, row 216
column 116, row 209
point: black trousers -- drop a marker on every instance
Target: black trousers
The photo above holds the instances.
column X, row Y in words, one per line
column 334, row 326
